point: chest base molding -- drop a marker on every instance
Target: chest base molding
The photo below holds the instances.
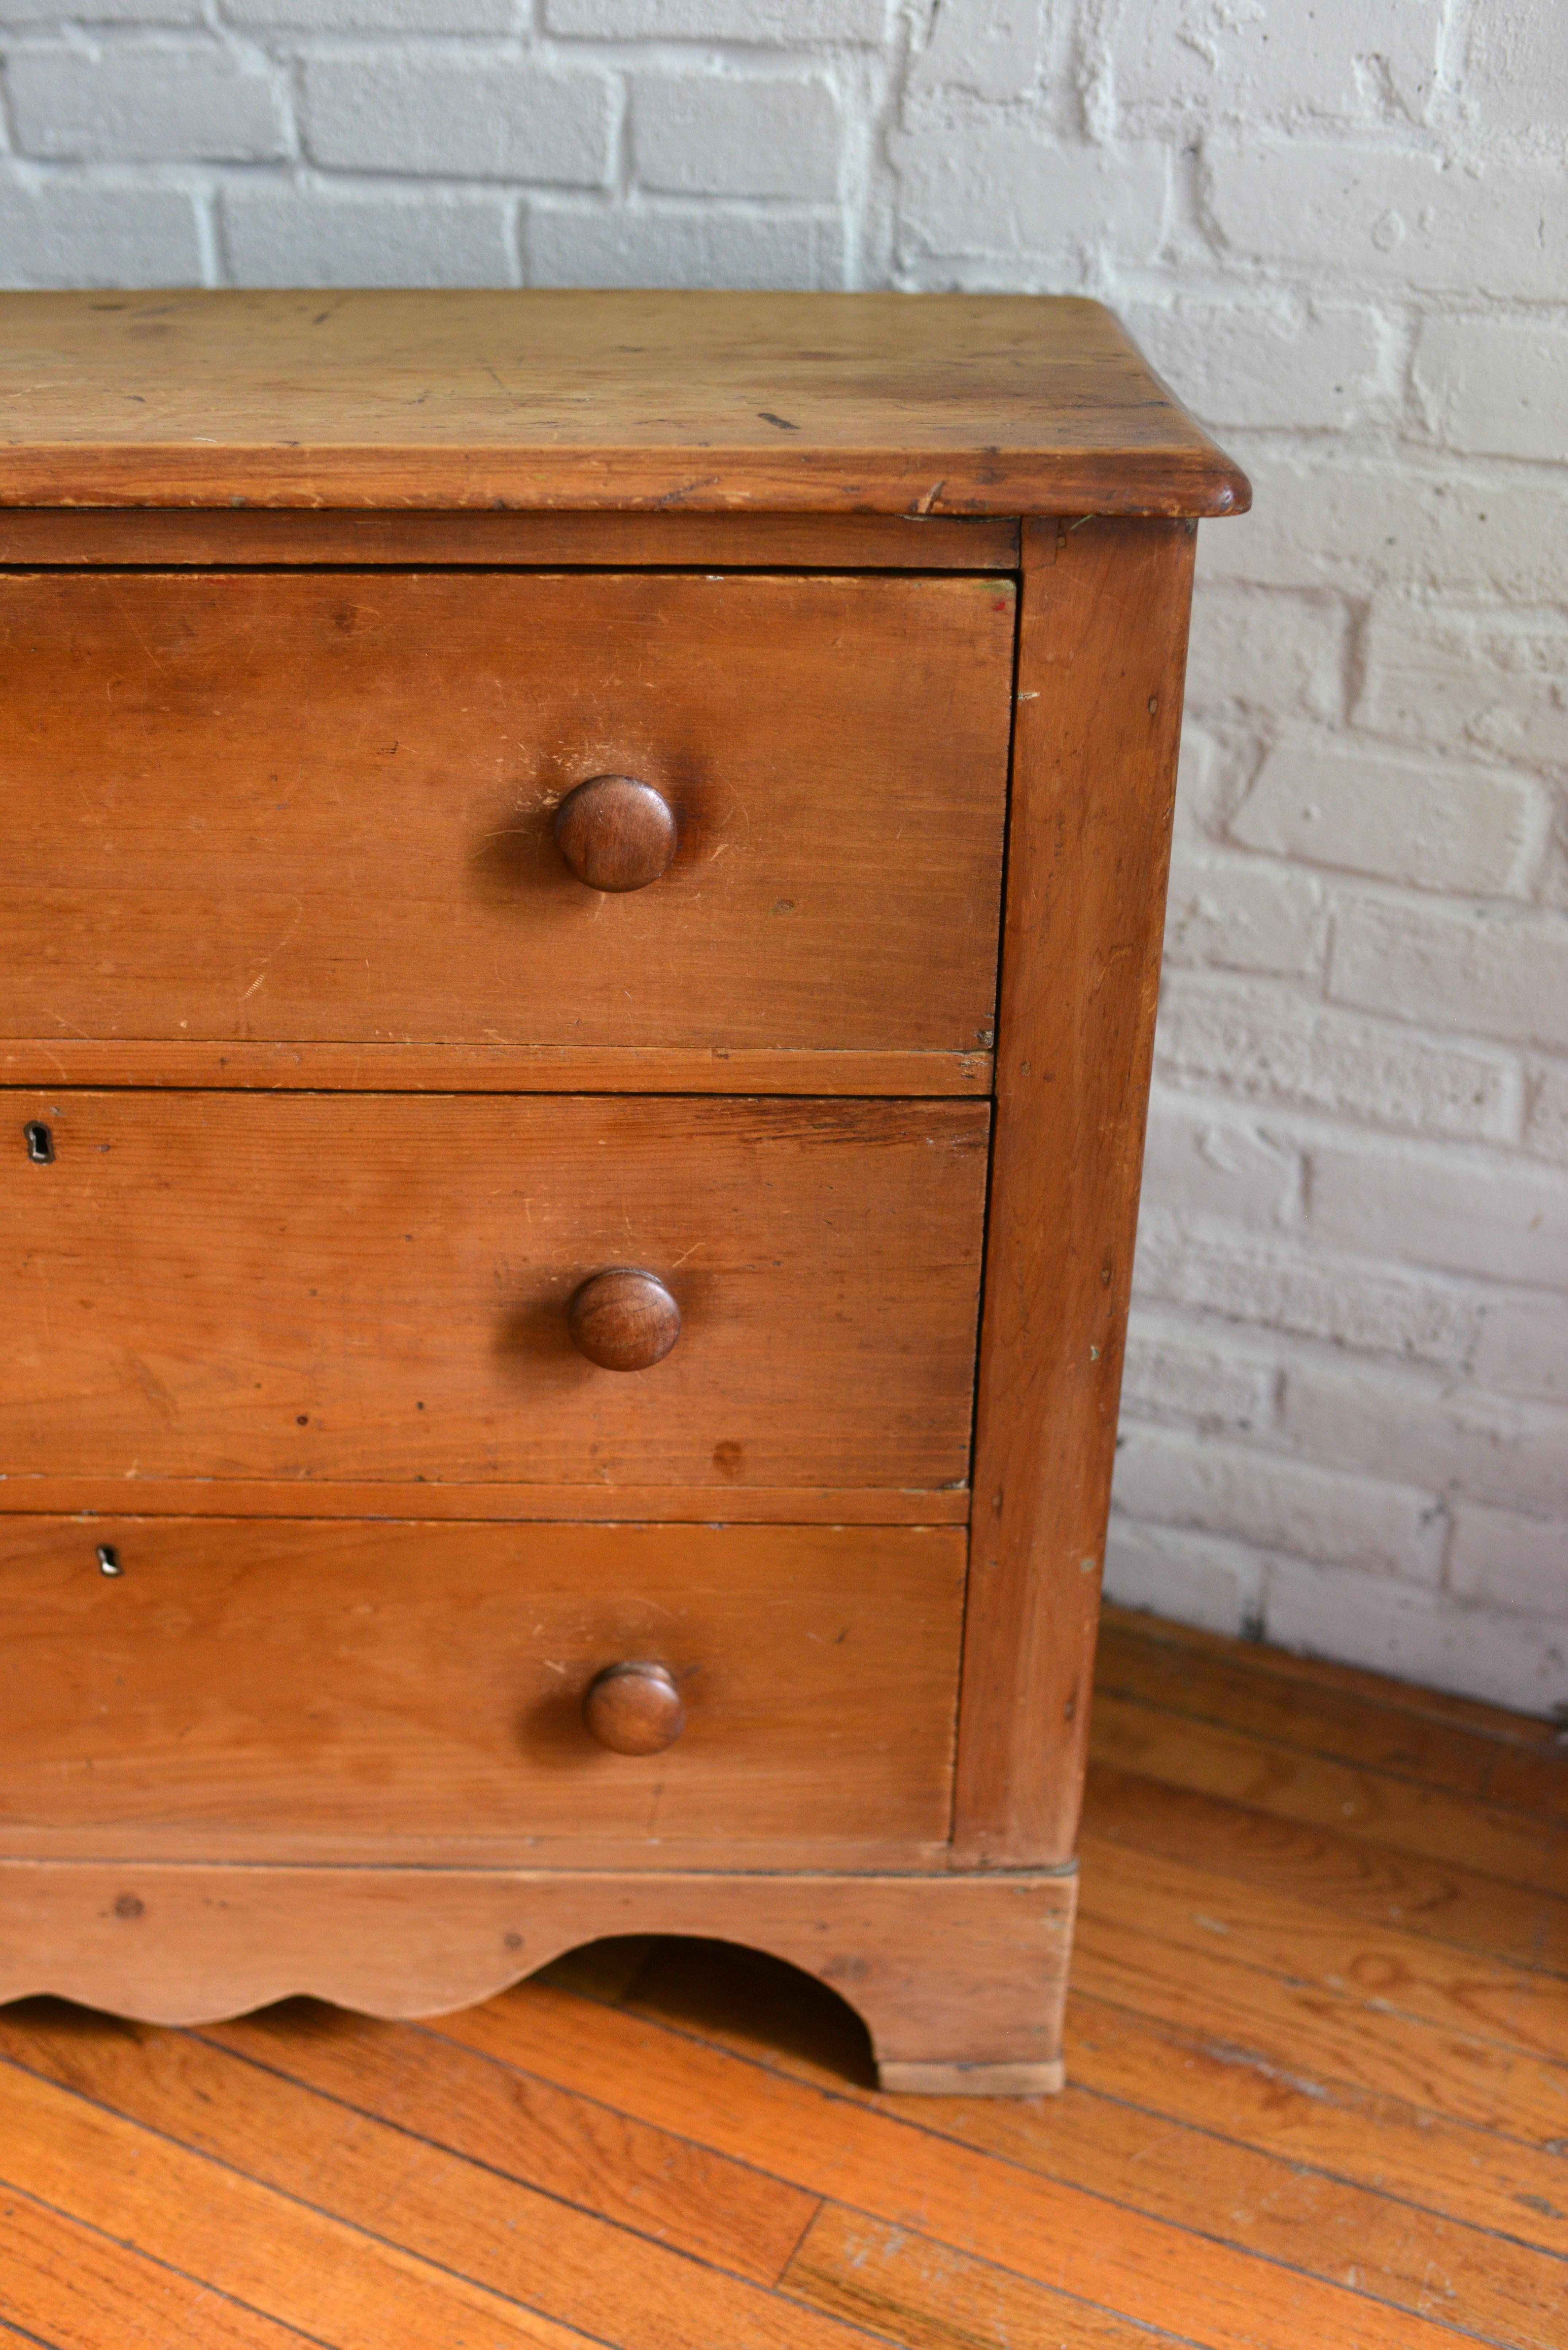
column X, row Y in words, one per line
column 960, row 1980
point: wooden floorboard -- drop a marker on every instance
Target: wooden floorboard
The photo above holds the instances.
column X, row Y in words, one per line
column 1199, row 1912
column 1317, row 2097
column 1392, row 1700
column 68, row 2284
column 1321, row 1790
column 1336, row 1725
column 655, row 2181
column 1370, row 1882
column 935, row 2172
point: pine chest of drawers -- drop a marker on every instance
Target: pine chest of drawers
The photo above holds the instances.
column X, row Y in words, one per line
column 582, row 888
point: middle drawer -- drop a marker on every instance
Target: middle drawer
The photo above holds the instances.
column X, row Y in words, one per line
column 376, row 1287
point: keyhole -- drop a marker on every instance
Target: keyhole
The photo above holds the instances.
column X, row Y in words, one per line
column 40, row 1142
column 109, row 1560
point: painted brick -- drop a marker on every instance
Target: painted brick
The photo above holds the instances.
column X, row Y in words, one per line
column 1264, row 649
column 1418, row 1430
column 1498, row 387
column 465, row 118
column 1207, row 1159
column 1313, row 370
column 779, row 23
column 1418, row 1636
column 313, row 236
column 1350, row 1301
column 1188, row 1371
column 102, row 12
column 1387, row 216
column 1436, row 826
column 578, row 247
column 1340, row 58
column 993, row 48
column 1270, row 1044
column 1516, row 66
column 1255, row 1496
column 60, row 234
column 1546, row 1127
column 1495, row 971
column 372, row 15
column 1522, row 1346
column 1366, row 523
column 1510, row 1560
column 1197, row 1578
column 1214, row 769
column 1468, row 681
column 1552, row 889
column 991, row 188
column 185, row 102
column 1245, row 913
column 1502, row 1219
column 707, row 135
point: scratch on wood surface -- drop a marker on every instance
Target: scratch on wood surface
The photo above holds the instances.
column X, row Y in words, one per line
column 269, row 958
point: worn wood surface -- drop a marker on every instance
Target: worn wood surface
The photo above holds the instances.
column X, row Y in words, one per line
column 160, row 537
column 1101, row 650
column 885, row 404
column 294, row 1690
column 317, row 806
column 374, row 1287
column 673, row 2144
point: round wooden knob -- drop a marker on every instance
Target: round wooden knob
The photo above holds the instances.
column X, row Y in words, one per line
column 634, row 1709
column 623, row 1320
column 615, row 833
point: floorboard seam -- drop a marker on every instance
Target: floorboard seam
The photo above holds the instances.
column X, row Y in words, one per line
column 169, row 2268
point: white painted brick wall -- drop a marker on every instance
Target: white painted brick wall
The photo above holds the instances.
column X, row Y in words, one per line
column 1495, row 681
column 1343, row 231
column 456, row 115
column 1330, row 803
column 145, row 102
column 749, row 135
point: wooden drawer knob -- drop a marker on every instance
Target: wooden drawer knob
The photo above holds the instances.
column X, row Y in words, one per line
column 634, row 1709
column 623, row 1320
column 615, row 833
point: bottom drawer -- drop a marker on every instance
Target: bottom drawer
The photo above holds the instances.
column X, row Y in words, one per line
column 310, row 1689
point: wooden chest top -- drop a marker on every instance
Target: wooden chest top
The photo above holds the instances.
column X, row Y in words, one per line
column 804, row 403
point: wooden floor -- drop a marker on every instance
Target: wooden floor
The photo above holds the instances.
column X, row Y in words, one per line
column 1318, row 2097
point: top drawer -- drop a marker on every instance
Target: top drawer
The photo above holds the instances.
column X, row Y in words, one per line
column 317, row 807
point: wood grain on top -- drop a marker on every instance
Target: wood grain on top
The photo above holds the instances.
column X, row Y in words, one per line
column 870, row 404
